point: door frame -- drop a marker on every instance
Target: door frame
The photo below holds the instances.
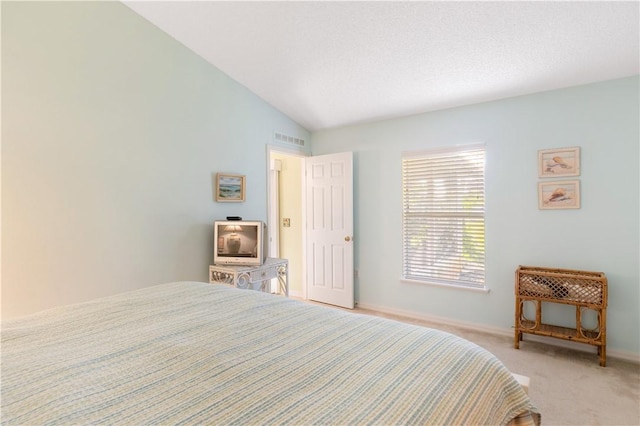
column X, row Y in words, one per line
column 273, row 199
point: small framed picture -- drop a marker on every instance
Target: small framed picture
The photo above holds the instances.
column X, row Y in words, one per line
column 559, row 162
column 230, row 188
column 559, row 194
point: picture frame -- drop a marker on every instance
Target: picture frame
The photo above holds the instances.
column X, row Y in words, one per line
column 559, row 194
column 559, row 162
column 230, row 188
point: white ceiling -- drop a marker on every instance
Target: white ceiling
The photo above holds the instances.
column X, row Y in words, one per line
column 327, row 64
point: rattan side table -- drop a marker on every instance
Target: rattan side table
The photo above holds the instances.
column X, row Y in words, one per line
column 582, row 289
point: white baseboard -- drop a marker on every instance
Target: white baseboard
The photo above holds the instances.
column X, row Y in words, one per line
column 296, row 294
column 622, row 355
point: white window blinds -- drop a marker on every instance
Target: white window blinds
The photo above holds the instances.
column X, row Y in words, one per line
column 443, row 216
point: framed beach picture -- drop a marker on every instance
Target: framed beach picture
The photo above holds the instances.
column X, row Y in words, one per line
column 559, row 162
column 559, row 194
column 230, row 188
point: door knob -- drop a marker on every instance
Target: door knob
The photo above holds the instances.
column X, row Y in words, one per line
column 347, row 238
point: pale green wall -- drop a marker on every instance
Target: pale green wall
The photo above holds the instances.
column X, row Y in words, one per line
column 602, row 119
column 111, row 134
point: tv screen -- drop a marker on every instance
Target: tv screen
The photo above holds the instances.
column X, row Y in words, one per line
column 239, row 242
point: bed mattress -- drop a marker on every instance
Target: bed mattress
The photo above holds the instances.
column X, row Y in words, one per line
column 193, row 353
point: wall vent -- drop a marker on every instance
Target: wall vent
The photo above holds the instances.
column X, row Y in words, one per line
column 281, row 137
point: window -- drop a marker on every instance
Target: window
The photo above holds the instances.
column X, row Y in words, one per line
column 443, row 216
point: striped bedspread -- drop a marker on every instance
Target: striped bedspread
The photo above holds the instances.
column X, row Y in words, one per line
column 197, row 353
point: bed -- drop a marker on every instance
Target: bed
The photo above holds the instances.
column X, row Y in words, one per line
column 198, row 353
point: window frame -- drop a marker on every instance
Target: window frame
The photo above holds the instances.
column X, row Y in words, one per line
column 436, row 216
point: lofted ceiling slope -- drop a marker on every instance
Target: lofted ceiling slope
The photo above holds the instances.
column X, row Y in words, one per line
column 327, row 64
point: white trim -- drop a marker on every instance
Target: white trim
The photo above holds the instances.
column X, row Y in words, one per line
column 442, row 150
column 271, row 196
column 303, row 180
column 273, row 209
column 296, row 295
column 438, row 320
column 484, row 289
column 500, row 331
column 286, row 150
column 434, row 196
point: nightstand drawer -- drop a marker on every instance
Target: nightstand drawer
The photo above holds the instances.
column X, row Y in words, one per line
column 264, row 274
column 256, row 277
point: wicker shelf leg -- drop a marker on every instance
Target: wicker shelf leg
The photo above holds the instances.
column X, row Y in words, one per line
column 517, row 334
column 603, row 334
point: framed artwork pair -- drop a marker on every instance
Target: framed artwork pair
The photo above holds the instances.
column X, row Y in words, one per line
column 555, row 163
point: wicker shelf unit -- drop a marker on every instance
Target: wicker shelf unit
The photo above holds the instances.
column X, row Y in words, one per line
column 583, row 289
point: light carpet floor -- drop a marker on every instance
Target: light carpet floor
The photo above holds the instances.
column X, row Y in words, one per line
column 567, row 385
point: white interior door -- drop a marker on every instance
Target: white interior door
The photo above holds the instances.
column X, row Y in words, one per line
column 329, row 228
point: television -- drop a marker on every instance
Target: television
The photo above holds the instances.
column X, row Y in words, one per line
column 239, row 242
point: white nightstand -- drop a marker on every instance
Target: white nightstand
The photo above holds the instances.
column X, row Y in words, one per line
column 256, row 277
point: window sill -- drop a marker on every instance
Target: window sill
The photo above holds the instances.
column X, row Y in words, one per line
column 451, row 286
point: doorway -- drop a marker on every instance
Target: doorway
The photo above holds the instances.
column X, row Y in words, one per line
column 286, row 214
column 310, row 223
